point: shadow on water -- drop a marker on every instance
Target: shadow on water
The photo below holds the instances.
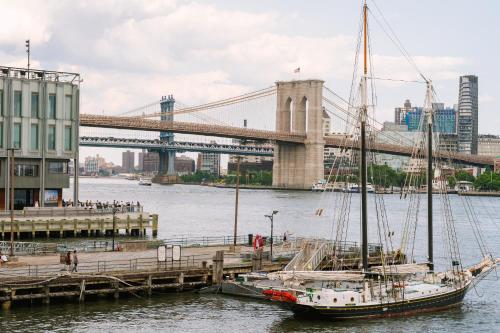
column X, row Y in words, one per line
column 423, row 322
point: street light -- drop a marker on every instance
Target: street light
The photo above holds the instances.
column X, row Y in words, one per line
column 271, row 218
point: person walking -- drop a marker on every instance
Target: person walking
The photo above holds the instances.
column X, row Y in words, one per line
column 67, row 261
column 75, row 262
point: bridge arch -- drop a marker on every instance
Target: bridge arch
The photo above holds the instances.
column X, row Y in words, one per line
column 301, row 115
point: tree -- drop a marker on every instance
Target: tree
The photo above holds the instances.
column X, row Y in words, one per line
column 464, row 176
column 488, row 181
column 452, row 182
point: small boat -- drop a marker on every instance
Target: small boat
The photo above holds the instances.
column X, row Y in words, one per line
column 145, row 181
column 355, row 188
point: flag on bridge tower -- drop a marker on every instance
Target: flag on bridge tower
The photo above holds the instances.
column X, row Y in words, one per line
column 296, row 70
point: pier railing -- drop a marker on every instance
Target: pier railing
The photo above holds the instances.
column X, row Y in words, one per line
column 28, row 247
column 109, row 266
column 216, row 240
column 70, row 211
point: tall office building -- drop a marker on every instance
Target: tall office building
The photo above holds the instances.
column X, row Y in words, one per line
column 445, row 118
column 400, row 113
column 128, row 161
column 467, row 128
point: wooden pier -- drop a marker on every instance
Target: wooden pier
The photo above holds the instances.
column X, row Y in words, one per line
column 76, row 222
column 135, row 277
column 41, row 280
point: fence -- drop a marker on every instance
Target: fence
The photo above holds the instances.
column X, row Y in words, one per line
column 109, row 266
column 216, row 240
column 70, row 211
column 28, row 247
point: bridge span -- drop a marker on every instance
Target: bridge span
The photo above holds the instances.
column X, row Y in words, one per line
column 133, row 123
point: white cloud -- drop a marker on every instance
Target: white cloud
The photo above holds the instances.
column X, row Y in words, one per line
column 132, row 52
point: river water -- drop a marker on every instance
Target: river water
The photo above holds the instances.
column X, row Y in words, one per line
column 186, row 210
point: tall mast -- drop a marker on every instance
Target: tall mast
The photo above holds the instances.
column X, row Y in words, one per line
column 428, row 112
column 364, row 107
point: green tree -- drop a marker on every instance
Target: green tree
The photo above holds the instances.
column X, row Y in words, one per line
column 464, row 176
column 488, row 181
column 198, row 177
column 452, row 181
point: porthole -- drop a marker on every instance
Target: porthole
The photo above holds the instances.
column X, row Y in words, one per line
column 334, row 300
column 319, row 297
column 352, row 299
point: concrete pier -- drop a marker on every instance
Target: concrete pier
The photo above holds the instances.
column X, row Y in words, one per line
column 76, row 222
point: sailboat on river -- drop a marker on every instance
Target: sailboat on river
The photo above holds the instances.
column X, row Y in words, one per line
column 393, row 288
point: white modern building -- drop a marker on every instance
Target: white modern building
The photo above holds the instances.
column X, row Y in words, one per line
column 39, row 113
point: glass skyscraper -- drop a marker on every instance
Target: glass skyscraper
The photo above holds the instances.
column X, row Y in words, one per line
column 467, row 128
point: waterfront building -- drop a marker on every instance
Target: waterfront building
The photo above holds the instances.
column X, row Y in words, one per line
column 140, row 160
column 91, row 165
column 467, row 128
column 128, row 161
column 150, row 162
column 209, row 162
column 39, row 112
column 488, row 145
column 448, row 142
column 184, row 165
column 392, row 133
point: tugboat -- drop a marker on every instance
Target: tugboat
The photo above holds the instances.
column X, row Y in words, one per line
column 390, row 289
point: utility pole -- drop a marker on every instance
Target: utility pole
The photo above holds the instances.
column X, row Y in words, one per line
column 237, row 199
column 28, row 50
column 236, row 202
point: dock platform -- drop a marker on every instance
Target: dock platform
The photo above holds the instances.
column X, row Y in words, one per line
column 76, row 222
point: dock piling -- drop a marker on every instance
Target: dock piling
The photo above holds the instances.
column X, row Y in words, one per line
column 218, row 267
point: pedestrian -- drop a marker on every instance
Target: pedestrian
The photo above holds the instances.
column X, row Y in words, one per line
column 75, row 262
column 67, row 261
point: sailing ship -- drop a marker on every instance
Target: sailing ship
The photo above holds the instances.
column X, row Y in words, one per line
column 393, row 288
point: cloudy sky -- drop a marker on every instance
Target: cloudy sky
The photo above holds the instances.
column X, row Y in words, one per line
column 130, row 52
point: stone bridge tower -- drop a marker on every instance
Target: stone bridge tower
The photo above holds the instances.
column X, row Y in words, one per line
column 299, row 110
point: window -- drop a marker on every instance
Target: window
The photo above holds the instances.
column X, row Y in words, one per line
column 1, row 135
column 58, row 167
column 26, row 170
column 17, row 136
column 34, row 105
column 52, row 106
column 1, row 102
column 67, row 138
column 51, row 136
column 68, row 107
column 34, row 137
column 17, row 103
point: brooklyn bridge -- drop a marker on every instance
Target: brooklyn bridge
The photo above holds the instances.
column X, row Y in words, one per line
column 285, row 121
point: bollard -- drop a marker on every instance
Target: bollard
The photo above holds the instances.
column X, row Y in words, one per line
column 218, row 267
column 257, row 261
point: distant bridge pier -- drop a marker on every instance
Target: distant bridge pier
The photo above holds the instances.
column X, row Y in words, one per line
column 299, row 110
column 167, row 157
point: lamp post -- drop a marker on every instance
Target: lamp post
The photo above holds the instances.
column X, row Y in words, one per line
column 271, row 218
